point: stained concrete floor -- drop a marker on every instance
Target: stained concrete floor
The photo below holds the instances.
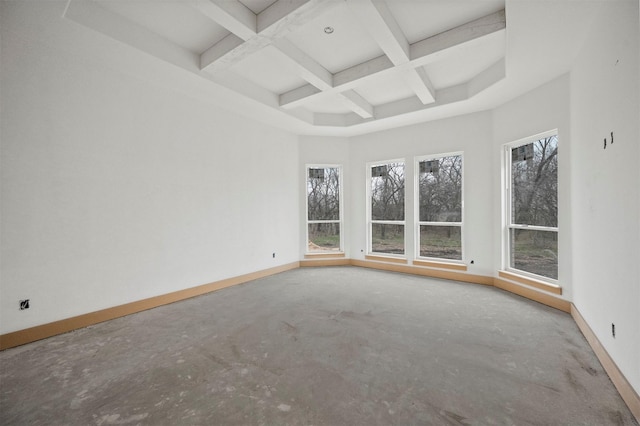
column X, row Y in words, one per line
column 319, row 346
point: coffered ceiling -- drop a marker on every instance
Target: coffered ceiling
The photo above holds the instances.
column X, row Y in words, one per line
column 350, row 65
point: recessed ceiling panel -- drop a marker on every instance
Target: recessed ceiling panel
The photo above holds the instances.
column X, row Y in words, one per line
column 382, row 90
column 258, row 72
column 466, row 61
column 177, row 22
column 270, row 69
column 348, row 44
column 426, row 18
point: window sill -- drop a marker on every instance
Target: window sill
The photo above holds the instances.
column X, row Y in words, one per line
column 324, row 255
column 386, row 259
column 531, row 282
column 440, row 265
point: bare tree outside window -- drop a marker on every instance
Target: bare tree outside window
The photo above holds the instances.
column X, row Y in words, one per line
column 387, row 208
column 323, row 209
column 533, row 233
column 387, row 194
column 440, row 207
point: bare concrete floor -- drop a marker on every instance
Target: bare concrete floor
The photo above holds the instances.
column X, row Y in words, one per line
column 325, row 346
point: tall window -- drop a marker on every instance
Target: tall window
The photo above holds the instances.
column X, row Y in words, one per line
column 324, row 214
column 532, row 206
column 439, row 186
column 386, row 208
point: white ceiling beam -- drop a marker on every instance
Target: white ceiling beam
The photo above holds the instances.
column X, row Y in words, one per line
column 289, row 98
column 230, row 14
column 320, row 78
column 383, row 28
column 352, row 76
column 357, row 104
column 420, row 83
column 285, row 16
column 277, row 21
column 282, row 17
column 422, row 52
column 428, row 50
column 345, row 79
column 388, row 111
column 448, row 96
column 309, row 69
column 220, row 50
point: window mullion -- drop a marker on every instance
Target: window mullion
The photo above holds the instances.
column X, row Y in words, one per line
column 389, row 222
column 440, row 223
column 534, row 227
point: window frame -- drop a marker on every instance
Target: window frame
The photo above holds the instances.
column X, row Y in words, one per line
column 507, row 222
column 339, row 221
column 418, row 222
column 371, row 222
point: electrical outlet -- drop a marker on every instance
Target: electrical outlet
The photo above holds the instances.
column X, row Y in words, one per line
column 274, row 255
column 24, row 304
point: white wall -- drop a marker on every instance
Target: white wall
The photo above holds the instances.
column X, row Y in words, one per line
column 114, row 189
column 545, row 108
column 471, row 134
column 605, row 189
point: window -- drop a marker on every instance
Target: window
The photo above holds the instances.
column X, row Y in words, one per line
column 386, row 208
column 439, row 186
column 531, row 232
column 324, row 214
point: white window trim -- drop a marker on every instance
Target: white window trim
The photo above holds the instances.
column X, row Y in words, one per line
column 340, row 220
column 416, row 209
column 507, row 213
column 370, row 221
